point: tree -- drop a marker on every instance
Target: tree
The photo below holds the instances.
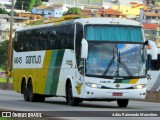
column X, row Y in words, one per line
column 3, row 54
column 27, row 4
column 31, row 5
column 14, row 13
column 152, row 1
column 3, row 11
column 38, row 3
column 73, row 10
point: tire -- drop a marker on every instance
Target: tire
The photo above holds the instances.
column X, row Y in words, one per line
column 122, row 102
column 41, row 98
column 25, row 92
column 80, row 100
column 32, row 96
column 70, row 99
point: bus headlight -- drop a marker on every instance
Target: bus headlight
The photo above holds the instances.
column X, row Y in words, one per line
column 140, row 86
column 93, row 85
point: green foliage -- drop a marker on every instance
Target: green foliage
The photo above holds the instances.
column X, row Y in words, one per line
column 31, row 5
column 3, row 11
column 38, row 3
column 14, row 13
column 27, row 4
column 38, row 22
column 73, row 10
column 19, row 3
column 3, row 54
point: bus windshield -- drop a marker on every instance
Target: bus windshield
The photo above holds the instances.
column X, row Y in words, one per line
column 115, row 51
column 116, row 60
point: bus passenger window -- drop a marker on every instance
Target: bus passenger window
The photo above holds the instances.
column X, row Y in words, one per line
column 79, row 36
column 153, row 64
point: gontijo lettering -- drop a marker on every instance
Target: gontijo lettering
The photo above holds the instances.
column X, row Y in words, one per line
column 33, row 59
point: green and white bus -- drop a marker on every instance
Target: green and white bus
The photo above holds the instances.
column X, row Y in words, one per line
column 91, row 59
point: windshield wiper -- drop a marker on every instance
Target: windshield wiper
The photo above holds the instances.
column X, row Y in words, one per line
column 123, row 65
column 109, row 65
column 119, row 61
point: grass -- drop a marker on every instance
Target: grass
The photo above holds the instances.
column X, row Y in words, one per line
column 3, row 80
column 1, row 118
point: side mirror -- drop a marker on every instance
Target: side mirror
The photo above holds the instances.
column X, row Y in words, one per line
column 153, row 46
column 84, row 48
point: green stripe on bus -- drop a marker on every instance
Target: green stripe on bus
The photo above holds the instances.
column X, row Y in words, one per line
column 122, row 81
column 54, row 72
column 50, row 72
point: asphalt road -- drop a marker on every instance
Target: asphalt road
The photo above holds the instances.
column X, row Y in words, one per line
column 55, row 106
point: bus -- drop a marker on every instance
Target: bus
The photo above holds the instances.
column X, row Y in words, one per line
column 153, row 67
column 85, row 59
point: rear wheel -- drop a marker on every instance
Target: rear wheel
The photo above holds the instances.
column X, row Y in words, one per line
column 122, row 102
column 25, row 92
column 70, row 99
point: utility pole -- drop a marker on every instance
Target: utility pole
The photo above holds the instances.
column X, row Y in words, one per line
column 76, row 3
column 10, row 46
column 22, row 5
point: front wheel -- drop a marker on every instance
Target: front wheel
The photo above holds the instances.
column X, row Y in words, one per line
column 32, row 96
column 70, row 99
column 122, row 102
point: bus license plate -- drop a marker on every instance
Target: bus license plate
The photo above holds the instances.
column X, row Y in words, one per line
column 117, row 94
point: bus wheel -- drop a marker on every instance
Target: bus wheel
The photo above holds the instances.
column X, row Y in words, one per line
column 32, row 96
column 70, row 99
column 41, row 98
column 25, row 92
column 122, row 102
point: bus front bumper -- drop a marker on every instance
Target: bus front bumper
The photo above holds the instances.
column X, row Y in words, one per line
column 95, row 93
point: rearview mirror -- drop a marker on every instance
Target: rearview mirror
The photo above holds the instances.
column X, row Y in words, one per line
column 153, row 51
column 84, row 48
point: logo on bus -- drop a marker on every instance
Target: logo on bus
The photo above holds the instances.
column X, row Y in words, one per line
column 117, row 85
column 78, row 87
column 33, row 59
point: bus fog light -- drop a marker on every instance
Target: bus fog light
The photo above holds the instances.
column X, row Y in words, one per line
column 141, row 86
column 93, row 85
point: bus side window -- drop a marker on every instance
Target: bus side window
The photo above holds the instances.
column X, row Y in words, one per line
column 79, row 36
column 16, row 40
column 153, row 64
column 20, row 42
column 70, row 36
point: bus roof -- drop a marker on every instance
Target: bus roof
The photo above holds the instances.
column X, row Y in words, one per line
column 114, row 21
column 84, row 21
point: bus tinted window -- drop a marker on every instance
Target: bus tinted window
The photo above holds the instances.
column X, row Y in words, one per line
column 153, row 64
column 79, row 36
column 57, row 37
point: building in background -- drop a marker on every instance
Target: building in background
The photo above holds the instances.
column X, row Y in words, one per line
column 150, row 15
column 53, row 10
column 5, row 25
column 110, row 13
column 151, row 31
